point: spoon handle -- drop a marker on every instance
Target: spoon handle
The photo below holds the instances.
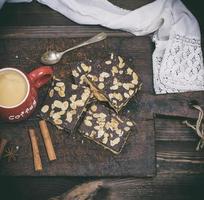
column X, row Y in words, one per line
column 96, row 38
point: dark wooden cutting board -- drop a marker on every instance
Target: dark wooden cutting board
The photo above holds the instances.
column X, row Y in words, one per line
column 76, row 156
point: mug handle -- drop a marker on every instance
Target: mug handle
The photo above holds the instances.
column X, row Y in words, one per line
column 41, row 75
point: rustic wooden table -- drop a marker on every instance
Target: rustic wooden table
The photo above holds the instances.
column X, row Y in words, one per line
column 179, row 168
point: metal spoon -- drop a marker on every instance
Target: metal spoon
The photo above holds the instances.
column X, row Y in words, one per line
column 53, row 57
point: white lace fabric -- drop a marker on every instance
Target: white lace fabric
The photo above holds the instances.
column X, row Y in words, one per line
column 180, row 67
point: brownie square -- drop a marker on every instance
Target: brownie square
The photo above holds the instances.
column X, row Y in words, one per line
column 114, row 81
column 65, row 103
column 111, row 79
column 103, row 126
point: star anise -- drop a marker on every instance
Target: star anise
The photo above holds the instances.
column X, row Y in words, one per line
column 11, row 153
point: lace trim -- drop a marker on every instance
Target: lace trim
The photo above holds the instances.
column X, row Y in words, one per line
column 181, row 68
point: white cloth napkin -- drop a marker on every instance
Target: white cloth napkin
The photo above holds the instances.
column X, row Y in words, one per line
column 177, row 58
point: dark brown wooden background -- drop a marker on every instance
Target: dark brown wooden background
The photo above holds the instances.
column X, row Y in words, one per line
column 180, row 169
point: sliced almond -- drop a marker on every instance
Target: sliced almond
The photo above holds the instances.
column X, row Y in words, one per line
column 114, row 87
column 100, row 133
column 134, row 76
column 105, row 140
column 58, row 121
column 115, row 141
column 93, row 133
column 114, row 123
column 101, row 79
column 126, row 95
column 135, row 82
column 87, row 122
column 110, row 96
column 118, row 96
column 61, row 93
column 62, row 112
column 45, row 108
column 129, row 71
column 59, row 84
column 108, row 125
column 89, row 117
column 114, row 70
column 75, row 73
column 78, row 68
column 105, row 74
column 74, row 87
column 94, row 108
column 127, row 128
column 58, row 104
column 126, row 86
column 102, row 115
column 121, row 65
column 73, row 97
column 55, row 78
column 108, row 62
column 84, row 67
column 101, row 86
column 51, row 93
column 120, row 59
column 95, row 115
column 65, row 105
column 119, row 132
column 129, row 123
column 131, row 92
column 69, row 117
column 97, row 127
column 131, row 85
column 73, row 105
column 59, row 127
column 56, row 88
column 56, row 116
column 85, row 95
column 111, row 57
column 79, row 103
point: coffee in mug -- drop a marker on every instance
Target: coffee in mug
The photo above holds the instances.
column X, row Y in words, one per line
column 19, row 91
column 13, row 88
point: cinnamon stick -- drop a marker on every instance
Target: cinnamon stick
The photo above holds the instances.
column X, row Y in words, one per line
column 3, row 143
column 36, row 153
column 47, row 140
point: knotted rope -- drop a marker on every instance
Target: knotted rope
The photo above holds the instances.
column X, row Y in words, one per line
column 198, row 127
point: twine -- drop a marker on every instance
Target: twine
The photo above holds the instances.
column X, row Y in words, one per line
column 198, row 127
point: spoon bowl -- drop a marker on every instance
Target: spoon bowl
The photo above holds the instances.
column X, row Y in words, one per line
column 51, row 57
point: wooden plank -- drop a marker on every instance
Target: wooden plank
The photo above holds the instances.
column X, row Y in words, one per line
column 188, row 187
column 171, row 129
column 57, row 32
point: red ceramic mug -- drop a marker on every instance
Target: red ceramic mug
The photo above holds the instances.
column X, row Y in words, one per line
column 33, row 81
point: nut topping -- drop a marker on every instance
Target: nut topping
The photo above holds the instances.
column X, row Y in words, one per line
column 45, row 108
